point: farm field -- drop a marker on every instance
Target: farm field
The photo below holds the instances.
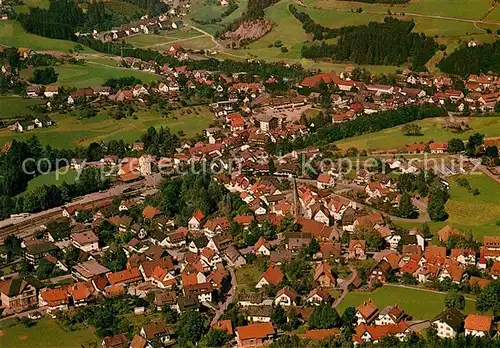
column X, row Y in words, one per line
column 46, row 334
column 420, row 304
column 431, row 128
column 12, row 34
column 469, row 9
column 15, row 106
column 70, row 131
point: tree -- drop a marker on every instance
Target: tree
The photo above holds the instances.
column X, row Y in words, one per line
column 278, row 316
column 491, row 151
column 474, row 142
column 488, row 298
column 44, row 76
column 454, row 299
column 412, row 129
column 115, row 258
column 271, row 165
column 171, row 316
column 191, row 327
column 324, row 317
column 456, row 145
column 215, row 338
column 406, row 208
column 349, row 316
column 12, row 246
column 437, row 200
column 45, row 269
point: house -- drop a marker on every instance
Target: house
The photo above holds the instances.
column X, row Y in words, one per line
column 478, row 325
column 17, row 295
column 272, row 276
column 88, row 270
column 321, row 334
column 209, row 258
column 54, row 299
column 317, row 296
column 258, row 314
column 366, row 312
column 261, row 247
column 195, row 222
column 323, row 275
column 34, row 252
column 324, row 181
column 449, row 323
column 156, row 333
column 380, row 272
column 285, row 297
column 150, row 212
column 127, row 276
column 216, row 226
column 254, row 335
column 234, row 257
column 357, row 249
column 32, row 91
column 446, row 232
column 86, row 241
column 390, row 315
column 51, row 91
column 374, row 333
column 116, row 341
column 22, row 126
column 197, row 244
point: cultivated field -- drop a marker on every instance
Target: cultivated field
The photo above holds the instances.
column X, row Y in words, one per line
column 31, row 3
column 393, row 138
column 70, row 131
column 12, row 34
column 163, row 40
column 52, row 336
column 420, row 304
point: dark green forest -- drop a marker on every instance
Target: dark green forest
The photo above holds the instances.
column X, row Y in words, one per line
column 387, row 43
column 472, row 60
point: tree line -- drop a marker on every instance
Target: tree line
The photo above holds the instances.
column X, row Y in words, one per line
column 387, row 43
column 263, row 69
column 472, row 60
column 63, row 18
column 361, row 125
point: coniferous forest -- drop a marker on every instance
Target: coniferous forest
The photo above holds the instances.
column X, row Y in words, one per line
column 389, row 43
column 472, row 60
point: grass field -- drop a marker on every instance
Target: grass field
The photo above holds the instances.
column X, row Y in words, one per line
column 15, row 106
column 431, row 129
column 12, row 34
column 471, row 9
column 46, row 334
column 479, row 215
column 94, row 74
column 53, row 178
column 70, row 131
column 31, row 3
column 417, row 303
column 122, row 8
column 163, row 40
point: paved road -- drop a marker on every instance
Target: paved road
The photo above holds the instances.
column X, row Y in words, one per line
column 26, row 313
column 229, row 298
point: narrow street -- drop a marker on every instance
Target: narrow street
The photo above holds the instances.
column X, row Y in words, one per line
column 229, row 298
column 345, row 287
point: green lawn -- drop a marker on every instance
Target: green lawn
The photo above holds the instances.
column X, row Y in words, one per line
column 431, row 128
column 15, row 106
column 247, row 277
column 479, row 215
column 69, row 131
column 12, row 34
column 53, row 178
column 417, row 303
column 46, row 334
column 94, row 74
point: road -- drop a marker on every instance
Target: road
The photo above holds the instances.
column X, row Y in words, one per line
column 345, row 287
column 229, row 298
column 41, row 310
